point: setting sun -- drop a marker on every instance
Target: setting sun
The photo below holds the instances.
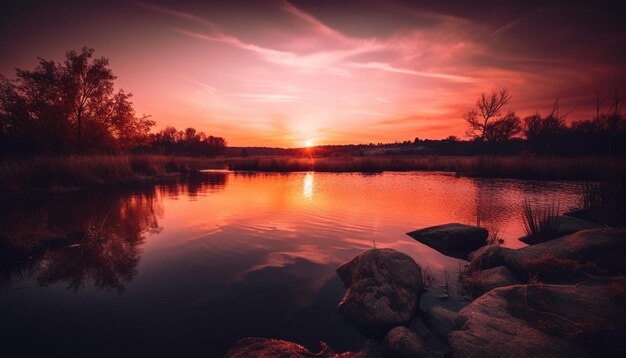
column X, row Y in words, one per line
column 308, row 143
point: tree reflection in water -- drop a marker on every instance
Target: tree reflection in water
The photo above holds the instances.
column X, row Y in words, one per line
column 88, row 236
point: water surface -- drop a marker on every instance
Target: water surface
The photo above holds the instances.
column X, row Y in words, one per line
column 189, row 266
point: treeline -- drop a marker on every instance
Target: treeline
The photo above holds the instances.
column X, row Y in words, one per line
column 68, row 107
column 71, row 107
column 187, row 142
column 605, row 134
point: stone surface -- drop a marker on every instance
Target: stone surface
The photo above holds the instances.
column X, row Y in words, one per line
column 383, row 290
column 481, row 282
column 604, row 248
column 566, row 225
column 401, row 342
column 441, row 321
column 543, row 321
column 456, row 240
column 263, row 347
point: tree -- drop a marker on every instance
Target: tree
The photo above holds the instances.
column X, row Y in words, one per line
column 503, row 129
column 488, row 107
column 69, row 106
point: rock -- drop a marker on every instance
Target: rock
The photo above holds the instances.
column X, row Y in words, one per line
column 566, row 225
column 263, row 347
column 542, row 321
column 611, row 214
column 383, row 290
column 604, row 248
column 456, row 240
column 441, row 321
column 481, row 282
column 402, row 342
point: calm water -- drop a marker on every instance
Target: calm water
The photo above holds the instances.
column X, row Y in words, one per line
column 187, row 267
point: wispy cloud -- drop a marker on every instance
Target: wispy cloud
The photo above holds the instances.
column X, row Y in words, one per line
column 267, row 97
column 389, row 68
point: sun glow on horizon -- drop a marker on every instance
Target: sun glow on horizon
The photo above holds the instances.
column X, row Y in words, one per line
column 308, row 143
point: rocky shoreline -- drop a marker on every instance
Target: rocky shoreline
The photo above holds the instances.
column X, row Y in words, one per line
column 562, row 297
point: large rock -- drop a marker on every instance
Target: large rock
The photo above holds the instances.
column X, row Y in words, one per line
column 566, row 225
column 383, row 290
column 481, row 282
column 441, row 321
column 604, row 249
column 456, row 240
column 543, row 321
column 401, row 342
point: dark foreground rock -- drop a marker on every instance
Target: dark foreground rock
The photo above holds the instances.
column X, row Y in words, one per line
column 441, row 321
column 567, row 225
column 481, row 282
column 456, row 240
column 383, row 290
column 401, row 342
column 276, row 348
column 544, row 321
column 601, row 249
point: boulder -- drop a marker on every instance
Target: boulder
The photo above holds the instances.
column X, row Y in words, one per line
column 612, row 214
column 383, row 290
column 566, row 225
column 456, row 240
column 604, row 249
column 441, row 321
column 543, row 321
column 402, row 342
column 481, row 282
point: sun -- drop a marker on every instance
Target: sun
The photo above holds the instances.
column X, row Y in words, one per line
column 308, row 143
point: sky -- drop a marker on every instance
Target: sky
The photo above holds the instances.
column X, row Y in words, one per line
column 280, row 73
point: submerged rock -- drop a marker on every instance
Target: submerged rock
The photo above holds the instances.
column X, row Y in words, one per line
column 481, row 282
column 543, row 321
column 566, row 225
column 383, row 290
column 603, row 249
column 441, row 321
column 402, row 342
column 456, row 240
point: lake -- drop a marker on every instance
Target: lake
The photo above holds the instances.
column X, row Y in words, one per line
column 188, row 266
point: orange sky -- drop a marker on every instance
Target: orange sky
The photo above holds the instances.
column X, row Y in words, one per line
column 277, row 73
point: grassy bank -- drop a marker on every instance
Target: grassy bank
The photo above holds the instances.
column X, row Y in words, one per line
column 520, row 167
column 52, row 173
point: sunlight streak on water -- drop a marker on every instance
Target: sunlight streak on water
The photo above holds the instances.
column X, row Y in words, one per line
column 308, row 186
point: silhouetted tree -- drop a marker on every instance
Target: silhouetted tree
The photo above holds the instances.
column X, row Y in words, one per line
column 68, row 106
column 188, row 142
column 544, row 132
column 488, row 107
column 503, row 129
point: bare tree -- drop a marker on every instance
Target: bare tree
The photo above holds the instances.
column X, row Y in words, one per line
column 487, row 108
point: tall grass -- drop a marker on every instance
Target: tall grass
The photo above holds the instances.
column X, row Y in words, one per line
column 540, row 224
column 45, row 173
column 521, row 167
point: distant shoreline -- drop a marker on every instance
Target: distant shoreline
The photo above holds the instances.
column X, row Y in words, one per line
column 58, row 173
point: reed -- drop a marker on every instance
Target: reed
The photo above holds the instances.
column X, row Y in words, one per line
column 519, row 167
column 540, row 224
column 62, row 172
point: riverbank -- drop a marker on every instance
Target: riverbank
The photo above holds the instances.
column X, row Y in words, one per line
column 515, row 167
column 563, row 297
column 51, row 173
column 57, row 173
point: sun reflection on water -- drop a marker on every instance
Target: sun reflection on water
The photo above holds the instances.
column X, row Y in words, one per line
column 307, row 189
